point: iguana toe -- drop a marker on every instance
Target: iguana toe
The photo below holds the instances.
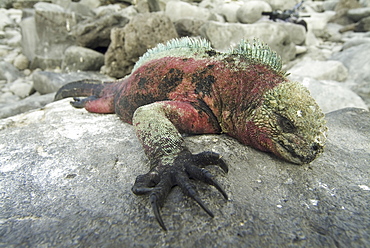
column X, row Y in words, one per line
column 160, row 180
column 81, row 102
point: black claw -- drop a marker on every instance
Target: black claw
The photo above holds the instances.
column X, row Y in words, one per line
column 205, row 176
column 184, row 183
column 153, row 201
column 213, row 182
column 221, row 190
column 80, row 102
column 201, row 203
column 208, row 178
column 160, row 180
column 210, row 158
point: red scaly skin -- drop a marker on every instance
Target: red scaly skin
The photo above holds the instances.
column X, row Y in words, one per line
column 220, row 85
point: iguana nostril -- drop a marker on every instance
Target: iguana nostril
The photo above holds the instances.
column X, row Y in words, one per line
column 315, row 147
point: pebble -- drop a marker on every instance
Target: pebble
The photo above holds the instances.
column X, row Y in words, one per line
column 21, row 62
column 21, row 88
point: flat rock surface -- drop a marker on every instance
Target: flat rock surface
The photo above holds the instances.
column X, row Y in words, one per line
column 66, row 178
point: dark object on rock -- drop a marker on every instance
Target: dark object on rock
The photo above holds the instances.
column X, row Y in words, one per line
column 288, row 15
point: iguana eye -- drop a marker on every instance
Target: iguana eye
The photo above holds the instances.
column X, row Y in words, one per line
column 286, row 125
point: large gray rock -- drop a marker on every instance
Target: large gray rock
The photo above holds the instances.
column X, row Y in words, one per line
column 358, row 14
column 330, row 95
column 66, row 178
column 144, row 31
column 355, row 42
column 78, row 58
column 358, row 63
column 353, row 58
column 46, row 35
column 224, row 35
column 321, row 70
column 94, row 32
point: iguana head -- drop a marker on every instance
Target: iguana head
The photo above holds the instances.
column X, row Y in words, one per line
column 288, row 123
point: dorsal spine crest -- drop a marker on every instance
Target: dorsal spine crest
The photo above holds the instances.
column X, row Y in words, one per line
column 175, row 47
column 259, row 52
column 195, row 47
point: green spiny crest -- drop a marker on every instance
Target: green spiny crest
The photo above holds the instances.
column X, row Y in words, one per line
column 259, row 52
column 175, row 47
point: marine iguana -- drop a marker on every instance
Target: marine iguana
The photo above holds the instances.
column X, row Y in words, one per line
column 185, row 86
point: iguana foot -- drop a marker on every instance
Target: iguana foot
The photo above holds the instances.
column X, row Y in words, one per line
column 159, row 181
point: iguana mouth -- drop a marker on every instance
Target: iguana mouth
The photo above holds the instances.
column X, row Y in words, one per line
column 288, row 152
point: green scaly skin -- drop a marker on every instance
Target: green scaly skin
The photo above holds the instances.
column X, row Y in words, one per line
column 185, row 86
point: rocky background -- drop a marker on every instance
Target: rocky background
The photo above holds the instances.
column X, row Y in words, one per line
column 66, row 174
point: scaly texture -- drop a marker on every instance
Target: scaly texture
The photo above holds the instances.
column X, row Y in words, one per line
column 185, row 86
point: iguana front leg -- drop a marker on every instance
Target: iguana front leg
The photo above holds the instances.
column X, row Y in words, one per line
column 157, row 126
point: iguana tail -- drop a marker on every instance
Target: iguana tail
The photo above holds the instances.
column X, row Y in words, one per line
column 99, row 96
column 85, row 87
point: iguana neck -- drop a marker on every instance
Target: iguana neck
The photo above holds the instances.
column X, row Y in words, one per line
column 240, row 92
